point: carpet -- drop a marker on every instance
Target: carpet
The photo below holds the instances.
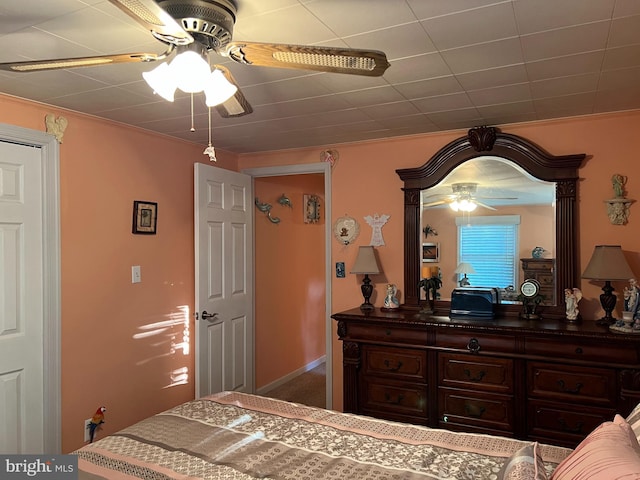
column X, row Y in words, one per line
column 308, row 388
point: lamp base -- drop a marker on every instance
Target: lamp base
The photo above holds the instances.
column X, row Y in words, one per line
column 367, row 291
column 608, row 303
column 367, row 307
column 606, row 321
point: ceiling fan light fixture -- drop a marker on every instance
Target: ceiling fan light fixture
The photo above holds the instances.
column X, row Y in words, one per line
column 190, row 71
column 463, row 205
column 218, row 89
column 161, row 80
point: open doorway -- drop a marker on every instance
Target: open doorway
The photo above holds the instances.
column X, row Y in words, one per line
column 293, row 329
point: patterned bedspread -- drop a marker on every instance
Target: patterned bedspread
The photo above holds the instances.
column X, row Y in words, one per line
column 239, row 436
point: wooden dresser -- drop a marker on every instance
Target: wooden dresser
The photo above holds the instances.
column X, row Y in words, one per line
column 542, row 270
column 549, row 381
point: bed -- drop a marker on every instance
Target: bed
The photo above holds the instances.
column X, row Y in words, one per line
column 232, row 435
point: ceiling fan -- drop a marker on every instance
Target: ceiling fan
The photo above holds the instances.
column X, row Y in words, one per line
column 207, row 26
column 464, row 198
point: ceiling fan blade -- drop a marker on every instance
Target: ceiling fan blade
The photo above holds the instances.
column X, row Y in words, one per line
column 155, row 19
column 323, row 59
column 484, row 205
column 237, row 105
column 433, row 204
column 40, row 65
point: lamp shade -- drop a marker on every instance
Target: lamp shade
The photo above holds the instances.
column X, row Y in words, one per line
column 366, row 262
column 463, row 205
column 190, row 71
column 218, row 89
column 464, row 267
column 607, row 263
column 161, row 81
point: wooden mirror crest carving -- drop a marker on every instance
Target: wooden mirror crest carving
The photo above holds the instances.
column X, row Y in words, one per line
column 479, row 142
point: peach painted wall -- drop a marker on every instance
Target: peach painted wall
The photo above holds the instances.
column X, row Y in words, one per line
column 124, row 346
column 290, row 279
column 364, row 182
column 536, row 228
column 105, row 166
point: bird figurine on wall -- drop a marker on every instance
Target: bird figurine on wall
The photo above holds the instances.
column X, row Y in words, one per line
column 96, row 421
column 285, row 201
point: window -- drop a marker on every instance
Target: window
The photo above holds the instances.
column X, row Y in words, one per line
column 490, row 245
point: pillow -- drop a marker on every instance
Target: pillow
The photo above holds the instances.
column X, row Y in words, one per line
column 525, row 464
column 634, row 420
column 610, row 452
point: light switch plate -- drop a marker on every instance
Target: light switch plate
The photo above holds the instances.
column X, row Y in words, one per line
column 136, row 275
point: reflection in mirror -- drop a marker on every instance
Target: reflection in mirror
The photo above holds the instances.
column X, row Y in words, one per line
column 489, row 215
column 489, row 141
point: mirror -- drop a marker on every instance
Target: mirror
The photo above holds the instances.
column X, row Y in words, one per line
column 501, row 199
column 523, row 155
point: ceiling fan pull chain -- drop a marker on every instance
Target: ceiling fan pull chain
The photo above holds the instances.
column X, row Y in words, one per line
column 193, row 129
column 210, row 150
column 209, row 117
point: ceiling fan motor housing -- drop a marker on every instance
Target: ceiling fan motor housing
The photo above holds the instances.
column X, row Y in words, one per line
column 464, row 189
column 210, row 22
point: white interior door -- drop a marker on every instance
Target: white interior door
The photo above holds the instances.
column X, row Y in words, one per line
column 21, row 300
column 224, row 281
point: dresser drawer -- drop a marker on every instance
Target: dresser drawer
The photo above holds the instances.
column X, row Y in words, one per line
column 462, row 407
column 569, row 423
column 476, row 343
column 581, row 350
column 561, row 382
column 400, row 363
column 473, row 372
column 391, row 334
column 394, row 398
column 546, row 280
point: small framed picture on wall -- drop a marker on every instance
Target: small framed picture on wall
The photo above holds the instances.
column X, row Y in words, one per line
column 430, row 252
column 145, row 217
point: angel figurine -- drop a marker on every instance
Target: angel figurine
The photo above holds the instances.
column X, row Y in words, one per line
column 391, row 301
column 571, row 299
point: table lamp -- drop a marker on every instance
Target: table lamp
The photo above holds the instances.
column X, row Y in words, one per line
column 366, row 264
column 607, row 264
column 464, row 268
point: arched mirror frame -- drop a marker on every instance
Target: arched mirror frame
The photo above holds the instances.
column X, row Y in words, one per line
column 482, row 141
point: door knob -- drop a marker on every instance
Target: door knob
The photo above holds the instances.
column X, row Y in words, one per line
column 206, row 315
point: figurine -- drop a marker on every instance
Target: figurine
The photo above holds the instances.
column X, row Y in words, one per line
column 390, row 301
column 430, row 287
column 571, row 299
column 631, row 298
column 618, row 182
column 96, row 421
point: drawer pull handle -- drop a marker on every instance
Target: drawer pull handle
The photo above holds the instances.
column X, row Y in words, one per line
column 474, row 410
column 474, row 345
column 398, row 366
column 397, row 401
column 477, row 378
column 564, row 389
column 568, row 429
column 579, row 350
column 445, row 419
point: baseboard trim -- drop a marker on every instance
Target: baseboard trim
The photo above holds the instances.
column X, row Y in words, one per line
column 290, row 376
